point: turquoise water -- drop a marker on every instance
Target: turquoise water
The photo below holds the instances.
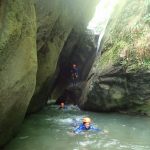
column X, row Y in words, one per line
column 51, row 129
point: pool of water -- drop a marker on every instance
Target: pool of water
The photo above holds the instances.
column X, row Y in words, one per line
column 52, row 129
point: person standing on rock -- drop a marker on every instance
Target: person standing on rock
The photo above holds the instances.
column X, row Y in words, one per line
column 74, row 74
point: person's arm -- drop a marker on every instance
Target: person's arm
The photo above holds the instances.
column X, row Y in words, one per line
column 78, row 130
column 95, row 129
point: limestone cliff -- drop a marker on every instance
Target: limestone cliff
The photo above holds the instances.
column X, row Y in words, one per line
column 120, row 77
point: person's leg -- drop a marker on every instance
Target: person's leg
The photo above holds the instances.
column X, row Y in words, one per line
column 73, row 80
column 76, row 79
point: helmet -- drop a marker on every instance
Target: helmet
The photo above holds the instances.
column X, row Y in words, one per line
column 86, row 120
column 74, row 65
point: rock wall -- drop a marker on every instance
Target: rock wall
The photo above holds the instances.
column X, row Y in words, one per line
column 32, row 35
column 120, row 77
column 80, row 49
column 18, row 63
column 56, row 21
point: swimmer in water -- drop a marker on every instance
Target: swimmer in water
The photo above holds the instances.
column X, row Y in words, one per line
column 86, row 126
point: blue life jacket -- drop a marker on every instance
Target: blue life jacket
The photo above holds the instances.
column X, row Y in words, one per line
column 83, row 128
column 74, row 71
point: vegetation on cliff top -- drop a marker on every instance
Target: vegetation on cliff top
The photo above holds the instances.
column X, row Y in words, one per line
column 127, row 40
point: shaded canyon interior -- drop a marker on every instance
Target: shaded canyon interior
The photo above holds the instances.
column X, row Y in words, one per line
column 41, row 39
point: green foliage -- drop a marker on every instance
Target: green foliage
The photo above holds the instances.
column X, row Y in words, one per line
column 147, row 18
column 129, row 34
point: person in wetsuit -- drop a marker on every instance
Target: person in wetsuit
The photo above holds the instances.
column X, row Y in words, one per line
column 62, row 106
column 86, row 126
column 74, row 74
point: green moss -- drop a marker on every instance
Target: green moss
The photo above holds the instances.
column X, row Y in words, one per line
column 129, row 32
column 142, row 109
column 111, row 56
column 18, row 64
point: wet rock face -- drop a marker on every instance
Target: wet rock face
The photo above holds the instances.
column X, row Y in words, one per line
column 70, row 95
column 116, row 92
column 56, row 21
column 80, row 49
column 32, row 35
column 120, row 77
column 18, row 63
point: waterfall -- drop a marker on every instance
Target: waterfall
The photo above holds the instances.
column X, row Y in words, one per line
column 101, row 34
column 101, row 18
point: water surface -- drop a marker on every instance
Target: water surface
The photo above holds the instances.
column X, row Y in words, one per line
column 51, row 129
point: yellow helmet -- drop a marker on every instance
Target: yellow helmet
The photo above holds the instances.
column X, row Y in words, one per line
column 86, row 120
